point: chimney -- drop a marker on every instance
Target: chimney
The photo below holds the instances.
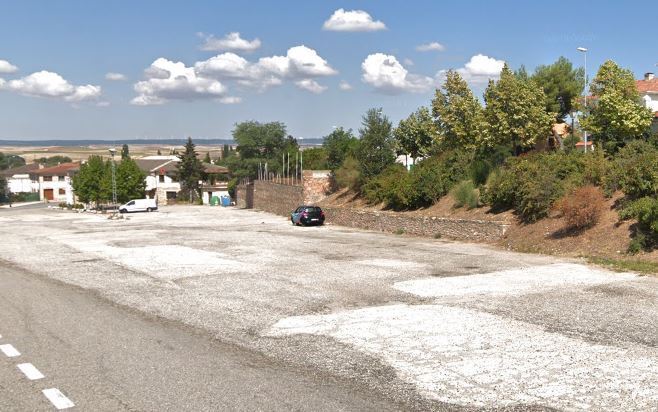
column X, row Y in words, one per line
column 648, row 76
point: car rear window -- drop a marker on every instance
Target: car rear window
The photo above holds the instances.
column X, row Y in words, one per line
column 313, row 210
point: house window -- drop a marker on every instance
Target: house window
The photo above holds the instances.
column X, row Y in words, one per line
column 62, row 191
column 47, row 178
column 60, row 178
column 161, row 178
column 171, row 195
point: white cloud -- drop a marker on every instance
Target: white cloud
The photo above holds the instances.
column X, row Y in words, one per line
column 387, row 75
column 345, row 86
column 103, row 104
column 115, row 76
column 230, row 100
column 52, row 85
column 6, row 67
column 478, row 70
column 167, row 80
column 433, row 46
column 408, row 62
column 299, row 63
column 352, row 20
column 231, row 41
column 311, row 86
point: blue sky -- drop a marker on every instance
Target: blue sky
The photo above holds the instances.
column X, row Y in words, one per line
column 55, row 56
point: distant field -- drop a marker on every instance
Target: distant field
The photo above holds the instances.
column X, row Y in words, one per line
column 77, row 153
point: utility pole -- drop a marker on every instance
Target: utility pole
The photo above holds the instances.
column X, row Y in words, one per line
column 114, row 180
column 584, row 51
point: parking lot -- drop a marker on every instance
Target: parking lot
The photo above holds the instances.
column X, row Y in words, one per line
column 432, row 324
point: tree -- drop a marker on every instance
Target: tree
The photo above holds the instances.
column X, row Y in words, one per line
column 54, row 160
column 130, row 181
column 4, row 190
column 159, row 153
column 515, row 112
column 10, row 161
column 93, row 183
column 459, row 114
column 339, row 144
column 617, row 115
column 207, row 159
column 256, row 139
column 315, row 158
column 125, row 152
column 415, row 134
column 376, row 150
column 225, row 151
column 562, row 84
column 190, row 170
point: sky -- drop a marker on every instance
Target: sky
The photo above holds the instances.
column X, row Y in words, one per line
column 164, row 69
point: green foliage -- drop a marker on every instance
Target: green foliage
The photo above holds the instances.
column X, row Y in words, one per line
column 459, row 114
column 232, row 185
column 4, row 190
column 375, row 153
column 315, row 158
column 130, row 181
column 10, row 161
column 562, row 84
column 392, row 186
column 645, row 210
column 207, row 159
column 260, row 140
column 515, row 112
column 125, row 152
column 93, row 183
column 225, row 151
column 415, row 134
column 54, row 160
column 190, row 170
column 479, row 171
column 466, row 195
column 612, row 77
column 348, row 174
column 635, row 170
column 339, row 144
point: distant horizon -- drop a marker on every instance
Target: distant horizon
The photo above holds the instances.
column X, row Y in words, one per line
column 115, row 142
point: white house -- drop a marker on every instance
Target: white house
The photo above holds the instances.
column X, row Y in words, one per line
column 23, row 179
column 648, row 88
column 161, row 177
column 55, row 182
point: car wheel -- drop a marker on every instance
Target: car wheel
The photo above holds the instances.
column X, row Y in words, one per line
column 148, row 209
column 122, row 210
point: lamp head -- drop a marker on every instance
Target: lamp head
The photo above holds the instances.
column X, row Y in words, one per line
column 582, row 49
column 112, row 151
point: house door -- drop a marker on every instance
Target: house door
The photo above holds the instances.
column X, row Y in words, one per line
column 48, row 194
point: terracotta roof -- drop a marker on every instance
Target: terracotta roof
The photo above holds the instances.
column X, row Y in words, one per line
column 157, row 165
column 21, row 170
column 589, row 143
column 214, row 169
column 59, row 170
column 647, row 86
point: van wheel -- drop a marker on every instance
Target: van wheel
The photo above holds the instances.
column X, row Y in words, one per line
column 148, row 209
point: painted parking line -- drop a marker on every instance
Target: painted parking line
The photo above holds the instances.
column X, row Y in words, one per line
column 9, row 351
column 30, row 371
column 57, row 398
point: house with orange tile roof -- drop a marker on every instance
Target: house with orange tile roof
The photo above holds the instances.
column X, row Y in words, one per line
column 55, row 182
column 648, row 88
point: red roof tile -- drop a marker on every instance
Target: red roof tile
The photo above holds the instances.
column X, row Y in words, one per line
column 647, row 86
column 59, row 170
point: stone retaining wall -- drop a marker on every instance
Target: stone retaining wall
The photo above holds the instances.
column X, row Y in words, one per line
column 459, row 229
column 277, row 198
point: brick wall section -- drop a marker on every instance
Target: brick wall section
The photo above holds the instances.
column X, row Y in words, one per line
column 277, row 198
column 459, row 229
column 317, row 185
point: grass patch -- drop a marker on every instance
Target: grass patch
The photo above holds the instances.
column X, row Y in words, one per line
column 399, row 231
column 625, row 265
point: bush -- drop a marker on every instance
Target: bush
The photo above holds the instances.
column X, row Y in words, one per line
column 479, row 172
column 348, row 175
column 466, row 194
column 392, row 187
column 582, row 207
column 634, row 170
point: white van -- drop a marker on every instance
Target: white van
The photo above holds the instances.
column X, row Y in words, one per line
column 139, row 205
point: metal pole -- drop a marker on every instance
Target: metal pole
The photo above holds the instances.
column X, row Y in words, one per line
column 301, row 166
column 585, row 131
column 114, row 181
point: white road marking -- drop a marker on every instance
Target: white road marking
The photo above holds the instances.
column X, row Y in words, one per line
column 30, row 371
column 9, row 351
column 57, row 398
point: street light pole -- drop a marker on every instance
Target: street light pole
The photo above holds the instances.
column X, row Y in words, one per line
column 114, row 179
column 584, row 51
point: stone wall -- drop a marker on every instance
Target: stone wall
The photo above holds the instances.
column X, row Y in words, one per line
column 459, row 229
column 244, row 196
column 277, row 198
column 318, row 184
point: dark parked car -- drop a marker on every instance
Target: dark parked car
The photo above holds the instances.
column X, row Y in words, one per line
column 307, row 215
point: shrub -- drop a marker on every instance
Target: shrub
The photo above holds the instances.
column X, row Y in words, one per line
column 479, row 172
column 466, row 194
column 393, row 186
column 635, row 170
column 645, row 210
column 348, row 175
column 582, row 207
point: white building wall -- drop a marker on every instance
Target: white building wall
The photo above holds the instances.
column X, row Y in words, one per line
column 22, row 184
column 651, row 101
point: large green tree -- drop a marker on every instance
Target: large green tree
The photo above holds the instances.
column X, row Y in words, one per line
column 459, row 114
column 255, row 139
column 415, row 135
column 9, row 161
column 125, row 152
column 377, row 148
column 339, row 144
column 315, row 158
column 562, row 85
column 190, row 170
column 130, row 181
column 617, row 114
column 93, row 183
column 515, row 112
column 54, row 160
